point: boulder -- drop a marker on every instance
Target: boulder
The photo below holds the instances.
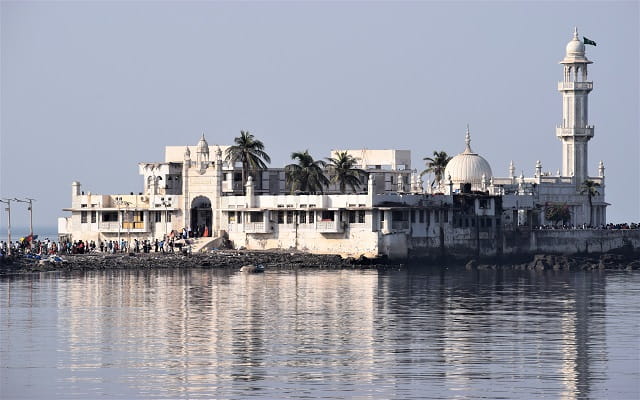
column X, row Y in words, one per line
column 472, row 264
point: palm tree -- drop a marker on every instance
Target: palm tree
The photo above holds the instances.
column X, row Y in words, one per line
column 557, row 212
column 307, row 175
column 436, row 165
column 250, row 152
column 589, row 188
column 342, row 171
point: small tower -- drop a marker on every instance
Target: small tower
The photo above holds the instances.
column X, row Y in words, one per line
column 538, row 169
column 202, row 155
column 575, row 132
column 187, row 157
column 185, row 184
column 601, row 169
column 249, row 192
column 512, row 170
column 75, row 188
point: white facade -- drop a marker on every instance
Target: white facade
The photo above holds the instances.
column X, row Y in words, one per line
column 196, row 189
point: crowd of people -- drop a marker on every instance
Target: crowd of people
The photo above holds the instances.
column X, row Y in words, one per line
column 48, row 247
column 609, row 226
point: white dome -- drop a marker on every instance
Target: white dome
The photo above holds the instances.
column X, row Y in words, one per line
column 575, row 48
column 575, row 51
column 468, row 167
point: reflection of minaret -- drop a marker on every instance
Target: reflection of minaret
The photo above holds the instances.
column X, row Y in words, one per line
column 589, row 330
column 575, row 132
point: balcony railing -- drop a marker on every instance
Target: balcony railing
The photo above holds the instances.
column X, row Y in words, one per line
column 257, row 227
column 329, row 226
column 575, row 85
column 114, row 226
column 108, row 226
column 588, row 131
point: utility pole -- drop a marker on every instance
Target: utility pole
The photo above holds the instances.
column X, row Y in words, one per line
column 127, row 204
column 8, row 202
column 30, row 201
column 166, row 217
column 124, row 218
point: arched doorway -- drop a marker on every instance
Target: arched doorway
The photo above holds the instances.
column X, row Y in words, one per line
column 201, row 216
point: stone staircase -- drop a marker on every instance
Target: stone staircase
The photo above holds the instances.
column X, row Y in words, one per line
column 204, row 244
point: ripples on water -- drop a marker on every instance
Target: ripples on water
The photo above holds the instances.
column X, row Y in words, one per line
column 408, row 334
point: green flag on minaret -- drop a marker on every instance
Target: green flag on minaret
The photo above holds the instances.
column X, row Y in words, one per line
column 588, row 41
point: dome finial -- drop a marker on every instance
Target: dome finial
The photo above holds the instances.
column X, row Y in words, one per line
column 467, row 140
column 575, row 32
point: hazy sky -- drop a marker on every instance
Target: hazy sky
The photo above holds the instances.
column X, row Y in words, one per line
column 89, row 89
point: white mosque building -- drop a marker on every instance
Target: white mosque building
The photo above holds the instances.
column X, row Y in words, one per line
column 194, row 188
column 469, row 168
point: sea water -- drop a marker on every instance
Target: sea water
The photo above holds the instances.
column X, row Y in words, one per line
column 415, row 333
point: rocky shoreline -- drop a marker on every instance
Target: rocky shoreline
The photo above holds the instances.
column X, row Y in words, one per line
column 235, row 259
column 231, row 259
column 586, row 262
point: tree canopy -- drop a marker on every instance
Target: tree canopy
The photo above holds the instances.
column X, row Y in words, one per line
column 557, row 212
column 343, row 171
column 590, row 188
column 250, row 152
column 436, row 165
column 307, row 175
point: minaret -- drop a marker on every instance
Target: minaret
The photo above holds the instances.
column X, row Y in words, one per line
column 575, row 132
column 186, row 164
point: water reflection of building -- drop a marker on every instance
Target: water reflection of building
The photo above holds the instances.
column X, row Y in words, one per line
column 488, row 330
column 470, row 332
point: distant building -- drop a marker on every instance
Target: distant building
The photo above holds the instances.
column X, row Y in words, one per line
column 470, row 209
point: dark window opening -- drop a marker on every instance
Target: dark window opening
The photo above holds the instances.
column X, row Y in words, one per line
column 110, row 216
column 256, row 217
column 328, row 215
column 399, row 216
